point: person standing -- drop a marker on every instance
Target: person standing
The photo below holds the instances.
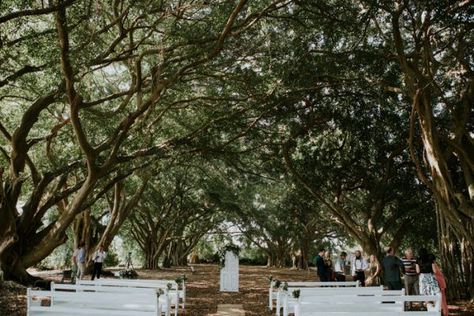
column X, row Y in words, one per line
column 359, row 265
column 329, row 267
column 411, row 276
column 340, row 266
column 442, row 286
column 74, row 268
column 80, row 258
column 374, row 271
column 426, row 267
column 392, row 266
column 321, row 266
column 99, row 257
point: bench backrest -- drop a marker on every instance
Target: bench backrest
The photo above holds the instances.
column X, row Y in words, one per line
column 102, row 297
column 283, row 297
column 371, row 313
column 335, row 303
column 170, row 287
column 338, row 291
column 93, row 288
column 130, row 283
column 143, row 300
column 375, row 298
column 272, row 292
column 325, row 284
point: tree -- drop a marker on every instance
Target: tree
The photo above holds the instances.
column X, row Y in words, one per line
column 77, row 65
column 174, row 214
column 343, row 137
column 431, row 44
column 99, row 227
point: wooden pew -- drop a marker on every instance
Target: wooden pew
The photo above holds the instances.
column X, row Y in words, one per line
column 93, row 303
column 371, row 305
column 163, row 298
column 175, row 295
column 273, row 293
column 287, row 301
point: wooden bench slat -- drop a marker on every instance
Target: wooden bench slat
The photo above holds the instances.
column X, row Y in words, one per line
column 324, row 284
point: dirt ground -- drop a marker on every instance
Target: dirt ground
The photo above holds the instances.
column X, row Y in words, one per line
column 203, row 294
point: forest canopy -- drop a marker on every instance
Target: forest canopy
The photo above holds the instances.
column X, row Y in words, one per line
column 298, row 122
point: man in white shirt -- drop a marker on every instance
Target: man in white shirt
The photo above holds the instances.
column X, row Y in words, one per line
column 98, row 258
column 359, row 265
column 340, row 266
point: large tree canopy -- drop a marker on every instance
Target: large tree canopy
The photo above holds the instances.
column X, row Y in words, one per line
column 297, row 121
column 94, row 91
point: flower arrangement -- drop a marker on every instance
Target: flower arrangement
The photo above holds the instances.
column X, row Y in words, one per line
column 296, row 294
column 160, row 292
column 274, row 282
column 128, row 274
column 180, row 280
column 230, row 247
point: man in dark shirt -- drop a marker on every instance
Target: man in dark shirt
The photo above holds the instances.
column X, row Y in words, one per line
column 321, row 267
column 392, row 266
column 411, row 277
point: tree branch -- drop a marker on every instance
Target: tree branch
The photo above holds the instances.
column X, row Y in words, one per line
column 36, row 12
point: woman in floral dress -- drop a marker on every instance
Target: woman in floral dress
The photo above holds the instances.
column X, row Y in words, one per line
column 374, row 271
column 426, row 267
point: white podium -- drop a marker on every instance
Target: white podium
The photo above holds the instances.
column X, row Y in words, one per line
column 230, row 273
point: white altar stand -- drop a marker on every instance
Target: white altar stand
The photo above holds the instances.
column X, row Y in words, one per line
column 230, row 273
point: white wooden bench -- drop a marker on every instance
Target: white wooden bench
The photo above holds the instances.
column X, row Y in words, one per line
column 181, row 290
column 275, row 294
column 288, row 302
column 369, row 304
column 332, row 296
column 174, row 293
column 92, row 303
column 375, row 313
column 163, row 298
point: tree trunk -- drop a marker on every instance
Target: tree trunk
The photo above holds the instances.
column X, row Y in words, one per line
column 7, row 233
column 270, row 260
column 13, row 265
column 151, row 260
column 457, row 271
column 281, row 255
column 441, row 143
column 457, row 226
column 304, row 254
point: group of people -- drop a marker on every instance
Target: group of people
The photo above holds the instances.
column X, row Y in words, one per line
column 421, row 275
column 79, row 260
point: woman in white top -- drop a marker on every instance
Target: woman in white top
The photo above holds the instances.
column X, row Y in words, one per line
column 99, row 257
